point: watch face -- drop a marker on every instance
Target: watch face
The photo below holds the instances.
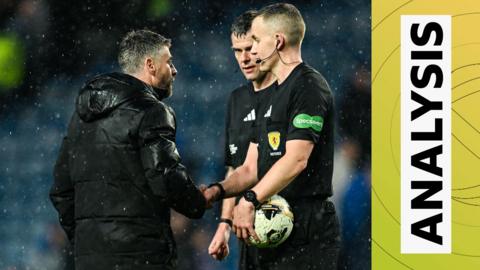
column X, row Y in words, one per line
column 250, row 196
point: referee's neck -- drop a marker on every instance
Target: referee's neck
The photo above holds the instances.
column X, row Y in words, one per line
column 283, row 70
column 289, row 58
column 264, row 82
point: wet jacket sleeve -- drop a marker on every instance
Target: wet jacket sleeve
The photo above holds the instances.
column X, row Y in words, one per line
column 62, row 192
column 166, row 176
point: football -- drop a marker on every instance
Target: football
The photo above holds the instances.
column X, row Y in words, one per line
column 273, row 223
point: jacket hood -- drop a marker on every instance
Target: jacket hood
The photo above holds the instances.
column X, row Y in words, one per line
column 102, row 94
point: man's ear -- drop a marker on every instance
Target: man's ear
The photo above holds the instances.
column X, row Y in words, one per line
column 149, row 65
column 280, row 41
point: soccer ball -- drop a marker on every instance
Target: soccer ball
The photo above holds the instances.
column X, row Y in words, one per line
column 273, row 223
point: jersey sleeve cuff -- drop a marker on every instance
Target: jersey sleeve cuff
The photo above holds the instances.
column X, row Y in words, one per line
column 303, row 135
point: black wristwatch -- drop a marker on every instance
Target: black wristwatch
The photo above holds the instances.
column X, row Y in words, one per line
column 251, row 196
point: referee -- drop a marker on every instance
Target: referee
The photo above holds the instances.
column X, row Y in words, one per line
column 294, row 157
column 242, row 114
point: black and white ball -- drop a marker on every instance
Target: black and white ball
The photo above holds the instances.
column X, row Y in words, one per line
column 273, row 222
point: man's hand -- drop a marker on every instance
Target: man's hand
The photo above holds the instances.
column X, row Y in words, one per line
column 211, row 195
column 243, row 220
column 218, row 248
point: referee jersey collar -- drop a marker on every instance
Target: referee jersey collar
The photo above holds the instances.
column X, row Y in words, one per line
column 292, row 75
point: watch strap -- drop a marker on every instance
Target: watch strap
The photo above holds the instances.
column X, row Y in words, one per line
column 227, row 220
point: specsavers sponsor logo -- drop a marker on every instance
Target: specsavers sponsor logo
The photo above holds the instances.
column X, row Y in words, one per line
column 306, row 121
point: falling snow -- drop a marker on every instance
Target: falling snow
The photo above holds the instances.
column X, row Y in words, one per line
column 63, row 45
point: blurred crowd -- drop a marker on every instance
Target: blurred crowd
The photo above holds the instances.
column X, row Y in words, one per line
column 48, row 48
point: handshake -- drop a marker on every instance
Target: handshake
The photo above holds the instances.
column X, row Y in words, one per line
column 240, row 219
column 212, row 193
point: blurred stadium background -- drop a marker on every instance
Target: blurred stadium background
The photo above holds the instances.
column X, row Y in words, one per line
column 48, row 48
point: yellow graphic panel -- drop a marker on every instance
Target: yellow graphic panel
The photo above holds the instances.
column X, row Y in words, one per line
column 465, row 135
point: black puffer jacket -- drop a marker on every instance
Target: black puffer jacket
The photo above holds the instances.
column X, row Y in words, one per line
column 117, row 176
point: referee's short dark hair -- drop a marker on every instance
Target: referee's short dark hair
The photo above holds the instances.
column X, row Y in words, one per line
column 242, row 24
column 136, row 46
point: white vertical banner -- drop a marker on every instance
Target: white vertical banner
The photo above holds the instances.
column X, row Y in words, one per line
column 426, row 133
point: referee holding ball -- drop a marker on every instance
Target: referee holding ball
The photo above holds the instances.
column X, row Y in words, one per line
column 294, row 157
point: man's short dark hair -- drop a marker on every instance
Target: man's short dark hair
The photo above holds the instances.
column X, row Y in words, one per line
column 288, row 18
column 138, row 44
column 242, row 24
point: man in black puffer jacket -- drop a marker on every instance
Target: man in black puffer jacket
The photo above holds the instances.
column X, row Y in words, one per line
column 118, row 172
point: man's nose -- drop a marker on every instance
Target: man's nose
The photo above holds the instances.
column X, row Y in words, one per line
column 174, row 71
column 253, row 51
column 245, row 57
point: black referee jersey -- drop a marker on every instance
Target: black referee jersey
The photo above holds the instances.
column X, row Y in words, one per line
column 300, row 108
column 241, row 119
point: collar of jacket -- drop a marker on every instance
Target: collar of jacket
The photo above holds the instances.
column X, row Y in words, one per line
column 102, row 94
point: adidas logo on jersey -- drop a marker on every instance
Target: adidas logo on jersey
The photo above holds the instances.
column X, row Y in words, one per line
column 269, row 112
column 250, row 116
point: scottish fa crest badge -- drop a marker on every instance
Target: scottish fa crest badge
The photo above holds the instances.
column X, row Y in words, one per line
column 274, row 140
